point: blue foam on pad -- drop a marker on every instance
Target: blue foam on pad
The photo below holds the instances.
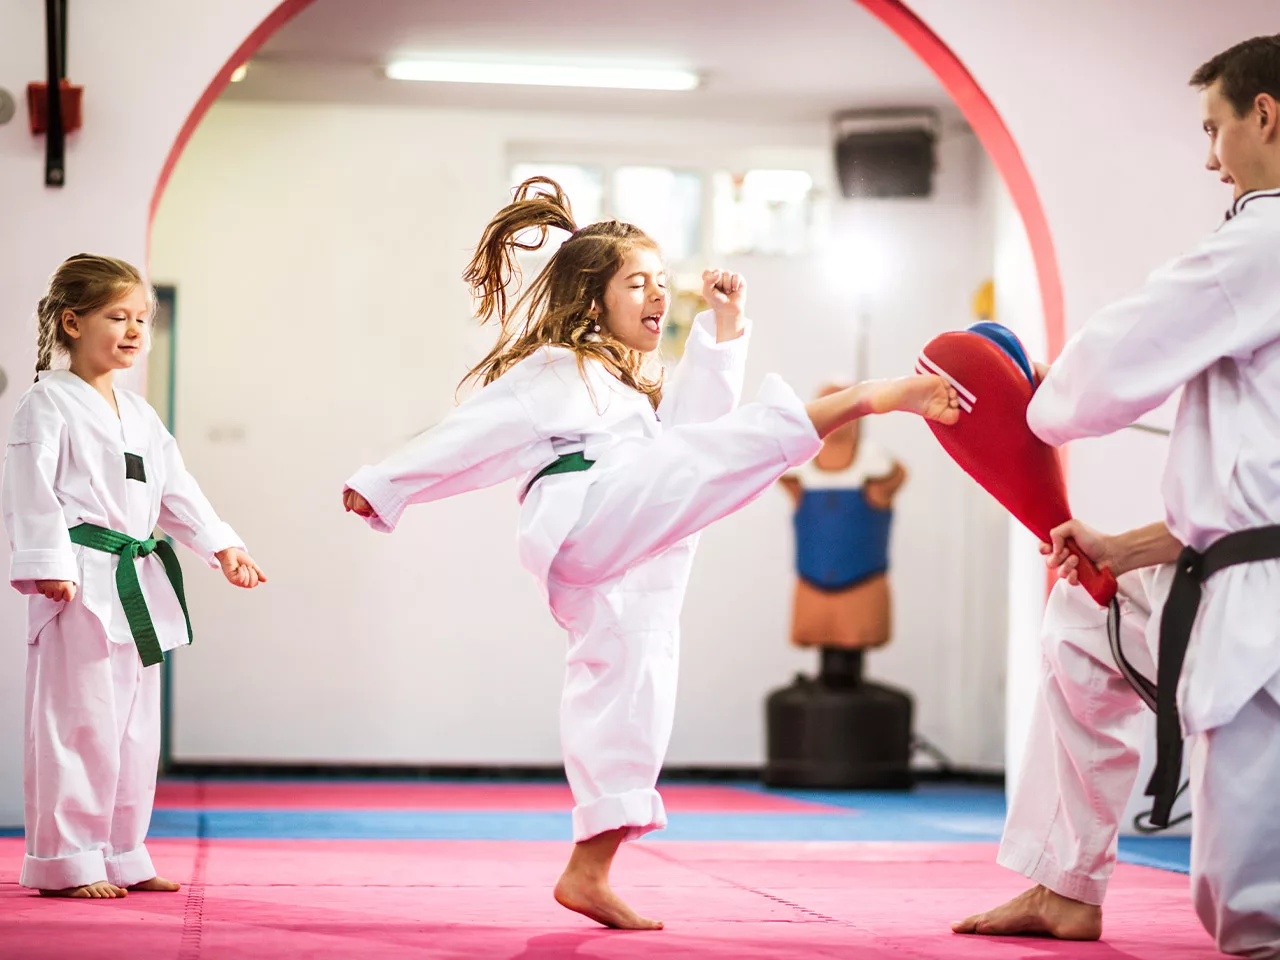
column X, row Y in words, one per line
column 1005, row 339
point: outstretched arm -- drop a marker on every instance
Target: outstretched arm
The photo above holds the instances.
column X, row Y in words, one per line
column 489, row 438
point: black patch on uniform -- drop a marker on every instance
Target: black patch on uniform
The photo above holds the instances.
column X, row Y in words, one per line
column 134, row 468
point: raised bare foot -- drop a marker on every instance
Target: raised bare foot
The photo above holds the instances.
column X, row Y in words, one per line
column 593, row 898
column 90, row 891
column 1037, row 912
column 157, row 885
column 929, row 396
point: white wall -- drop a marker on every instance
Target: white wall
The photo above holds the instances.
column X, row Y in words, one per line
column 117, row 51
column 321, row 321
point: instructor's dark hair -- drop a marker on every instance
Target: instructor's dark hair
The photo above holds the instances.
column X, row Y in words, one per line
column 1246, row 70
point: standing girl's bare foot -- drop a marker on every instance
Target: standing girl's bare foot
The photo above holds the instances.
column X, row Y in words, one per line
column 157, row 885
column 90, row 891
column 584, row 885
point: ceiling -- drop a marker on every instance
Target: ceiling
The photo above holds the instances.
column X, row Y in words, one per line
column 798, row 60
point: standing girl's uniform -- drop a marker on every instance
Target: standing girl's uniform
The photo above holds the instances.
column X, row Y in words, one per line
column 92, row 708
column 611, row 545
column 1209, row 321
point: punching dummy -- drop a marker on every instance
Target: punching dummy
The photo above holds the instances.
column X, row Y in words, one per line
column 843, row 510
column 837, row 730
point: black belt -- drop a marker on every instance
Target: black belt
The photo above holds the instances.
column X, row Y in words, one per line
column 1177, row 621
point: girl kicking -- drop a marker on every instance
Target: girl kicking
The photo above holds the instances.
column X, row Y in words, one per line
column 620, row 471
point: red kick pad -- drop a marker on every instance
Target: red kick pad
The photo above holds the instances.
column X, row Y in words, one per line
column 993, row 444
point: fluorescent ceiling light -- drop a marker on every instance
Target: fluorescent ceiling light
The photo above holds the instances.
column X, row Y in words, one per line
column 619, row 78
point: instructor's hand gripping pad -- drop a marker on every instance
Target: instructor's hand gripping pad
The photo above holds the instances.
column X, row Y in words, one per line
column 992, row 442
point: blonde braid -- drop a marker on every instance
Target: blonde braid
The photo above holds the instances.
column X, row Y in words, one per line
column 47, row 317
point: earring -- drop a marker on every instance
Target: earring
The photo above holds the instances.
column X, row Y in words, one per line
column 596, row 328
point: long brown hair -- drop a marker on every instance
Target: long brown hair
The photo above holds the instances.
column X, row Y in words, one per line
column 565, row 302
column 82, row 284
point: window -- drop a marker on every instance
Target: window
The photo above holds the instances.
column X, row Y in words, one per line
column 763, row 211
column 664, row 203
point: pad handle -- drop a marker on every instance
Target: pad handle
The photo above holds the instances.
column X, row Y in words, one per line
column 1099, row 582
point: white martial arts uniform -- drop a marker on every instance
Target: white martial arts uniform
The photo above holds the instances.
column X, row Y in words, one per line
column 1210, row 321
column 611, row 546
column 92, row 710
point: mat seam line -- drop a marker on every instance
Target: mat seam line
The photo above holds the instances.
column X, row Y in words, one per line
column 192, row 940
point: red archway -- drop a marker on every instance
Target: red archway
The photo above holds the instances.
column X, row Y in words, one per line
column 1000, row 146
column 974, row 104
column 281, row 15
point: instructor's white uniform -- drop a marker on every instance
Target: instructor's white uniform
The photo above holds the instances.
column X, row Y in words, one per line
column 92, row 710
column 1210, row 321
column 611, row 546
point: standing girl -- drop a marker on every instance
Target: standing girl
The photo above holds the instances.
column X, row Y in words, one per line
column 89, row 472
column 620, row 473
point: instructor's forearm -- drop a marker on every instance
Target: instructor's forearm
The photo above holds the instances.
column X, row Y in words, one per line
column 1147, row 546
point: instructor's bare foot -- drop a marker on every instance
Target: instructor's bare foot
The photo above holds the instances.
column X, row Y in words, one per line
column 929, row 396
column 90, row 891
column 593, row 898
column 1037, row 912
column 157, row 885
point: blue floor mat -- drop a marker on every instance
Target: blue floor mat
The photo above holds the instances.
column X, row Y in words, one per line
column 930, row 813
column 1163, row 853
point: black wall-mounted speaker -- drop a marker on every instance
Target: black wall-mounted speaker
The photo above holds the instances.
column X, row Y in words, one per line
column 886, row 163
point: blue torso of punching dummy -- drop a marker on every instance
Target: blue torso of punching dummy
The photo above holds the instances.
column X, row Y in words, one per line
column 841, row 539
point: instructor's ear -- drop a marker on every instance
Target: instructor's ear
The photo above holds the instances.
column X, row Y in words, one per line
column 1268, row 114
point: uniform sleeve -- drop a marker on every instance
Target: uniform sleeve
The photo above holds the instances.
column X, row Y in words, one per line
column 1130, row 357
column 491, row 437
column 38, row 536
column 708, row 381
column 185, row 512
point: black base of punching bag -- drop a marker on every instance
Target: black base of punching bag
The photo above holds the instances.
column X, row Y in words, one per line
column 839, row 731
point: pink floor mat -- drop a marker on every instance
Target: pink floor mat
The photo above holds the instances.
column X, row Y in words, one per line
column 318, row 900
column 434, row 795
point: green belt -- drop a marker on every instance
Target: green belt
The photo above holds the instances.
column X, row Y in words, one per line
column 131, row 598
column 569, row 463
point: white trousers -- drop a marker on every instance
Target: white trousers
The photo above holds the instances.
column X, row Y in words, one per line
column 618, row 584
column 92, row 749
column 1082, row 759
